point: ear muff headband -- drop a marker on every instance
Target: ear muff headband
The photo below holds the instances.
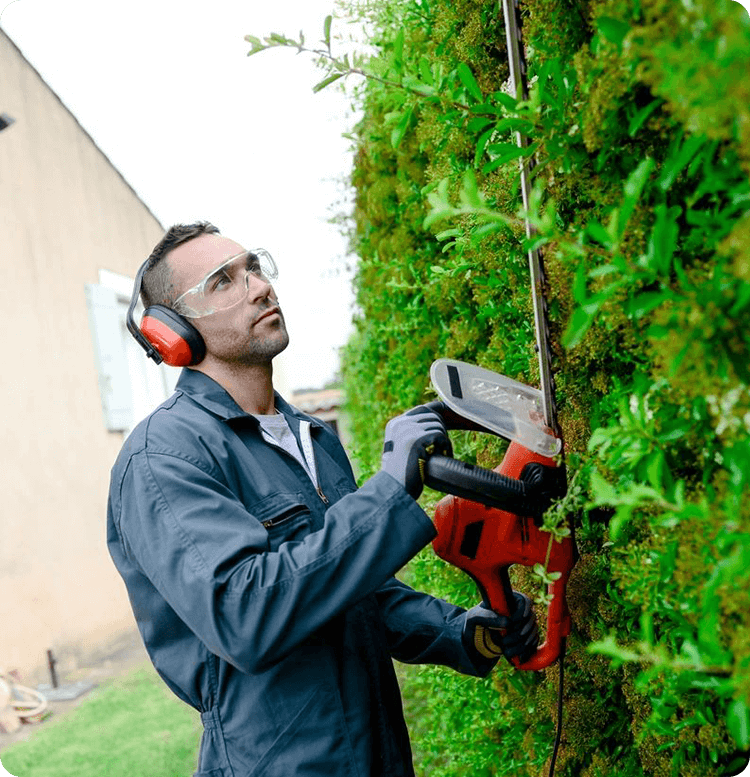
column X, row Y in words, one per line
column 164, row 335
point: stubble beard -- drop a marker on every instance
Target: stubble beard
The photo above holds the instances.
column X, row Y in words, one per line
column 261, row 349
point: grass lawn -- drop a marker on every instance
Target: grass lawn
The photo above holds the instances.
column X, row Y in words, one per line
column 131, row 727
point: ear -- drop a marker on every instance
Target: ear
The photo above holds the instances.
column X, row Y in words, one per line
column 176, row 340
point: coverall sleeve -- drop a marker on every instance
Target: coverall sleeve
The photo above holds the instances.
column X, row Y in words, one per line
column 422, row 629
column 210, row 559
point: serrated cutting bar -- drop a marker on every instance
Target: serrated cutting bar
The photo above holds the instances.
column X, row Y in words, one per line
column 518, row 82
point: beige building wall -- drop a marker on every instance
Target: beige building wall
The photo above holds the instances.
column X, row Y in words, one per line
column 65, row 215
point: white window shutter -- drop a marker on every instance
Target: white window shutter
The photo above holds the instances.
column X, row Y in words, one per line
column 111, row 359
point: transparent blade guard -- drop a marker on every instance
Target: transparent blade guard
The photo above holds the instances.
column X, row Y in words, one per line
column 503, row 406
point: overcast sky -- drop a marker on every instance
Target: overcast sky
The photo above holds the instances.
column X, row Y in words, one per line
column 201, row 131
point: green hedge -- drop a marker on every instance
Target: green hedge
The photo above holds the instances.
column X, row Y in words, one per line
column 640, row 113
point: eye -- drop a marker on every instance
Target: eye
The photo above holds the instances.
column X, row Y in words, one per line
column 219, row 282
column 253, row 265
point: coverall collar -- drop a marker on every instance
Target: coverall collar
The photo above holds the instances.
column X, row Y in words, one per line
column 216, row 399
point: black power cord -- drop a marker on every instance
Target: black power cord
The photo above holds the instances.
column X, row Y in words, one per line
column 558, row 734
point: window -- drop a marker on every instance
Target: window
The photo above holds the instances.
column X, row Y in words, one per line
column 130, row 385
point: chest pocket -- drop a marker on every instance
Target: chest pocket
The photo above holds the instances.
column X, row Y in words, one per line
column 285, row 517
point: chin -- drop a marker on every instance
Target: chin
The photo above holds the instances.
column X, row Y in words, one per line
column 266, row 349
column 284, row 342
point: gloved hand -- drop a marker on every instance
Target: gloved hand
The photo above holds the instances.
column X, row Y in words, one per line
column 409, row 440
column 482, row 630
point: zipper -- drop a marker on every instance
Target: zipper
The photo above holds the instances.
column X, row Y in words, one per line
column 308, row 452
column 288, row 515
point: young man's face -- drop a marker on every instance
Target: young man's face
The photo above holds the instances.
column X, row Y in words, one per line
column 250, row 332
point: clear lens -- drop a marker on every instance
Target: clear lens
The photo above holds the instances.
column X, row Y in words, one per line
column 227, row 285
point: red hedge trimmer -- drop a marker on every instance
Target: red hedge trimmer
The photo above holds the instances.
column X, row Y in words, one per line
column 493, row 518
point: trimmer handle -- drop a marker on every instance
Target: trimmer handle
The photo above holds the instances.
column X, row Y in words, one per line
column 453, row 420
column 530, row 495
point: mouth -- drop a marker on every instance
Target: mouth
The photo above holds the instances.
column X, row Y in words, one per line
column 274, row 311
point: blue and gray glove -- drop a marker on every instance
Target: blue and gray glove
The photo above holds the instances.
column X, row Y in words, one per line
column 493, row 635
column 410, row 439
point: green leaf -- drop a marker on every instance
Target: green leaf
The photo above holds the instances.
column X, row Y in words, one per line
column 505, row 152
column 480, row 124
column 398, row 52
column 601, row 490
column 637, row 121
column 470, row 192
column 514, row 123
column 506, row 100
column 468, row 80
column 613, row 30
column 678, row 159
column 398, row 132
column 741, row 299
column 597, row 232
column 446, row 233
column 655, row 469
column 326, row 81
column 738, row 723
column 485, row 108
column 663, row 239
column 579, row 323
column 619, row 521
column 437, row 213
column 479, row 233
column 279, row 39
column 619, row 218
column 256, row 44
column 482, row 145
column 327, row 31
column 425, row 71
column 644, row 303
column 609, row 647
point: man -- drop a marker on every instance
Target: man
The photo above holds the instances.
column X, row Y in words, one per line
column 261, row 578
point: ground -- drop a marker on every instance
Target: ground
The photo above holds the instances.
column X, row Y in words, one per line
column 119, row 657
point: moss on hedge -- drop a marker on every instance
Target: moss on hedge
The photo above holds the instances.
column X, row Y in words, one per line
column 643, row 203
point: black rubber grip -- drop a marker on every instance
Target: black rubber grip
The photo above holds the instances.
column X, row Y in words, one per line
column 454, row 420
column 452, row 476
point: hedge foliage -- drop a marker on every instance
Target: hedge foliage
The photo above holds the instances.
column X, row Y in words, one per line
column 639, row 114
column 640, row 117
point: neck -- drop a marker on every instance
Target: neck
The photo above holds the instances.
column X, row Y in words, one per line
column 250, row 386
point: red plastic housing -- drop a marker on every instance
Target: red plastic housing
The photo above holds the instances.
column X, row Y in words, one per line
column 484, row 542
column 171, row 346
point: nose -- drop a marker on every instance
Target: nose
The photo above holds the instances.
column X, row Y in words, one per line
column 258, row 288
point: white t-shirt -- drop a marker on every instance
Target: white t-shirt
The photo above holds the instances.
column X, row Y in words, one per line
column 275, row 430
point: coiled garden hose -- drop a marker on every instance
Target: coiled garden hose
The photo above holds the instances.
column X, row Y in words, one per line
column 25, row 702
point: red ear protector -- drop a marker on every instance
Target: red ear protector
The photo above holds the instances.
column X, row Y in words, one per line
column 166, row 336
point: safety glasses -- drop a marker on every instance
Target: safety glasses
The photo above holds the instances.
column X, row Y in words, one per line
column 226, row 285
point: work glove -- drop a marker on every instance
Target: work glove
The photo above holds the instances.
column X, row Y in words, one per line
column 493, row 635
column 410, row 439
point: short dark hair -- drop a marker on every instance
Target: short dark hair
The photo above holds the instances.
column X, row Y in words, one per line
column 157, row 287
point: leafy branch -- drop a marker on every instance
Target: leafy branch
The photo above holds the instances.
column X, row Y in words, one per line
column 430, row 85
